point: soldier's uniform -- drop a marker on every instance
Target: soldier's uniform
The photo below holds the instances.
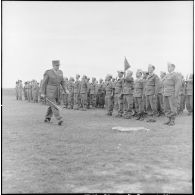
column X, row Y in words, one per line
column 145, row 74
column 160, row 104
column 77, row 86
column 51, row 88
column 71, row 93
column 65, row 95
column 189, row 92
column 118, row 97
column 109, row 89
column 83, row 93
column 25, row 91
column 181, row 98
column 17, row 90
column 151, row 89
column 88, row 93
column 138, row 97
column 100, row 94
column 171, row 89
column 127, row 91
column 43, row 101
column 20, row 90
column 93, row 93
column 35, row 90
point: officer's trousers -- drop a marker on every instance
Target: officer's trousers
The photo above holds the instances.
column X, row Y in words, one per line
column 51, row 110
column 170, row 106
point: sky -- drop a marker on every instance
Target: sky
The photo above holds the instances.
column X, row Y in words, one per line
column 93, row 38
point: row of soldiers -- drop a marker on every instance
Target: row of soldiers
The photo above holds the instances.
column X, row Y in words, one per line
column 128, row 97
column 30, row 90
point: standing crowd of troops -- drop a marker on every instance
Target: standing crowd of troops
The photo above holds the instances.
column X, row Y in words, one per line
column 148, row 96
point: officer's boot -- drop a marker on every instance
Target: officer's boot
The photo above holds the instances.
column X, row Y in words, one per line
column 169, row 120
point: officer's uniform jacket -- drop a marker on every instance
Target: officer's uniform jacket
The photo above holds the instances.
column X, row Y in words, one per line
column 171, row 84
column 138, row 87
column 152, row 84
column 128, row 85
column 51, row 84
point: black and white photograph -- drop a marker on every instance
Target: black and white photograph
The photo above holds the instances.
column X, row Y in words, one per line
column 97, row 97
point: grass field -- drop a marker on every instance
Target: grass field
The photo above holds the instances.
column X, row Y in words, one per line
column 86, row 155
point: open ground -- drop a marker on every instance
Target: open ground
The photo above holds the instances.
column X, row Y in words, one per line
column 86, row 155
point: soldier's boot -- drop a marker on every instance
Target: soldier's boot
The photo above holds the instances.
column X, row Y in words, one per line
column 127, row 116
column 151, row 120
column 109, row 113
column 118, row 115
column 139, row 116
column 47, row 120
column 167, row 122
column 172, row 122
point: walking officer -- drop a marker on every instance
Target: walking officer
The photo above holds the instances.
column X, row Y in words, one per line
column 52, row 80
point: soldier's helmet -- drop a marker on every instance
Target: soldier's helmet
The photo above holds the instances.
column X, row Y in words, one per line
column 71, row 79
column 152, row 66
column 139, row 71
column 77, row 76
column 93, row 79
column 120, row 71
column 108, row 76
column 171, row 64
column 129, row 72
column 100, row 79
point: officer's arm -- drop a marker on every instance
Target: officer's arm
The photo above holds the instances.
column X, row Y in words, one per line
column 44, row 83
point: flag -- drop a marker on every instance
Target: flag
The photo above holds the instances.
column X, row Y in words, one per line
column 126, row 64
